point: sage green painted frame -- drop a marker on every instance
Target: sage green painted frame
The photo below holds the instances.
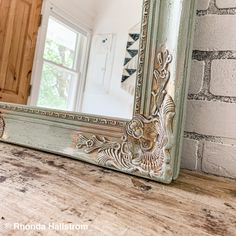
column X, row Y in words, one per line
column 150, row 144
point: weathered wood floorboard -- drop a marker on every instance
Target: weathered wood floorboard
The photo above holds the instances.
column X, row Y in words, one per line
column 38, row 188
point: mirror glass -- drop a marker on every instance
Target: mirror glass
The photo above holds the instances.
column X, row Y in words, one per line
column 72, row 55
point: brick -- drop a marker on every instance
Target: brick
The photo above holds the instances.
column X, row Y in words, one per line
column 196, row 77
column 219, row 159
column 223, row 78
column 189, row 158
column 203, row 4
column 225, row 3
column 211, row 118
column 215, row 32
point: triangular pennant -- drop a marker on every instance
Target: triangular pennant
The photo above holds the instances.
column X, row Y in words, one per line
column 125, row 73
column 131, row 71
column 127, row 60
column 135, row 37
column 132, row 53
column 134, row 46
column 129, row 44
column 124, row 78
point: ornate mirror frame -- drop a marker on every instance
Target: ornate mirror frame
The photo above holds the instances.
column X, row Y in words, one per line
column 149, row 145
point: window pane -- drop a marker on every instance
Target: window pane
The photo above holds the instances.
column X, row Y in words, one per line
column 56, row 87
column 60, row 45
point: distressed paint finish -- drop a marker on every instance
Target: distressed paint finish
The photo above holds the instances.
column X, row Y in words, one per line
column 2, row 126
column 58, row 132
column 37, row 187
column 147, row 141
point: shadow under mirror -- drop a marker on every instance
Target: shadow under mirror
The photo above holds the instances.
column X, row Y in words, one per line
column 72, row 55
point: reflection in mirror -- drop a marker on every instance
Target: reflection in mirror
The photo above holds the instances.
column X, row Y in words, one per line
column 80, row 55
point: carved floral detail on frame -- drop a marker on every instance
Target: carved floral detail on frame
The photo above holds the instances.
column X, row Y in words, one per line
column 145, row 147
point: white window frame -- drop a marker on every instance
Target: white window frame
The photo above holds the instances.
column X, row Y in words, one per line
column 49, row 10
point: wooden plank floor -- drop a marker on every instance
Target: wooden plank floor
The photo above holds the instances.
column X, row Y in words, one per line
column 39, row 188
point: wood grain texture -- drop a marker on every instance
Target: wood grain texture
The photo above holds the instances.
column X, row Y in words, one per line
column 18, row 32
column 37, row 187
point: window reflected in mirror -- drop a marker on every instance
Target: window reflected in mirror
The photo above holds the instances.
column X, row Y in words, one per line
column 71, row 55
column 61, row 65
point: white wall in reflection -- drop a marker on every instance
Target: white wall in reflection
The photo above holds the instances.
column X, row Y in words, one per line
column 103, row 93
column 90, row 80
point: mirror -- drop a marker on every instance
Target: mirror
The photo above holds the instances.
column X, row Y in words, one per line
column 68, row 79
column 79, row 55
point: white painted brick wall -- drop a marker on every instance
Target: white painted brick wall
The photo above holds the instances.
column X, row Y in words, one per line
column 190, row 149
column 223, row 77
column 197, row 73
column 219, row 159
column 225, row 3
column 202, row 4
column 215, row 32
column 210, row 137
column 211, row 118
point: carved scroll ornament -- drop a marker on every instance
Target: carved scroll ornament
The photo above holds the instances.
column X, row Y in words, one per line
column 147, row 141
